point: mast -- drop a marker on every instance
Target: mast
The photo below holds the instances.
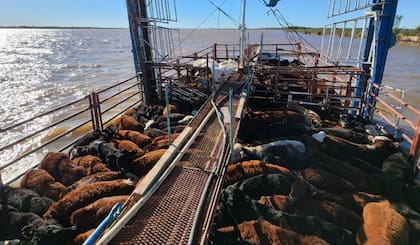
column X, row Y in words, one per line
column 242, row 37
column 138, row 20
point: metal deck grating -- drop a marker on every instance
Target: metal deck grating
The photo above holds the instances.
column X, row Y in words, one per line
column 168, row 215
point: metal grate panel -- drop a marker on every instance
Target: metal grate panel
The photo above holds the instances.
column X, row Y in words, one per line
column 168, row 215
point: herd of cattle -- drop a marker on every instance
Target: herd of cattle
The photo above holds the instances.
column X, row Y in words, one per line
column 297, row 178
column 65, row 198
column 301, row 178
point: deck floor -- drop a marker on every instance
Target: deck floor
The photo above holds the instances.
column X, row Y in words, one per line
column 168, row 216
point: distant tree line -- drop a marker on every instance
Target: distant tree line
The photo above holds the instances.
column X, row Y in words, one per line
column 347, row 31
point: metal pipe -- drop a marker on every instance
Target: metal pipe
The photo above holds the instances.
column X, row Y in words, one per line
column 337, row 60
column 41, row 130
column 401, row 102
column 96, row 112
column 113, row 215
column 415, row 149
column 4, row 213
column 42, row 114
column 353, row 30
column 242, row 38
column 117, row 84
column 168, row 113
column 390, row 122
column 219, row 165
column 396, row 113
column 231, row 125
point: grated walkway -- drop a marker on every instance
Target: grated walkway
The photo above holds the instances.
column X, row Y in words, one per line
column 169, row 215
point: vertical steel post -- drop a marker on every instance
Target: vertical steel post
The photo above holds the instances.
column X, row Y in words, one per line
column 231, row 125
column 242, row 41
column 168, row 113
column 4, row 213
column 98, row 111
column 361, row 86
column 92, row 112
column 142, row 54
column 415, row 149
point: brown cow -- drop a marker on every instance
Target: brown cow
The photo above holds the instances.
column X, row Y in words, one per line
column 360, row 179
column 91, row 215
column 92, row 164
column 128, row 145
column 85, row 195
column 100, row 176
column 264, row 232
column 140, row 139
column 246, row 169
column 128, row 122
column 40, row 181
column 81, row 238
column 269, row 125
column 326, row 181
column 172, row 108
column 382, row 224
column 165, row 137
column 60, row 167
column 143, row 164
column 354, row 201
column 374, row 153
column 310, row 207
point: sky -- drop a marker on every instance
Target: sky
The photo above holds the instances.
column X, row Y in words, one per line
column 190, row 13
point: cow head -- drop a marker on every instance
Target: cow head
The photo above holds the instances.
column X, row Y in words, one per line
column 48, row 234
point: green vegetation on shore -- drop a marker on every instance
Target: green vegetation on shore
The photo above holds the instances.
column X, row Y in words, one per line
column 402, row 34
column 347, row 31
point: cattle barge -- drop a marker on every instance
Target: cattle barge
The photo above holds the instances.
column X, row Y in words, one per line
column 292, row 145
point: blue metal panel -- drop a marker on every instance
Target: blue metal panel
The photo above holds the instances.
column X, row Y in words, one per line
column 132, row 10
column 383, row 41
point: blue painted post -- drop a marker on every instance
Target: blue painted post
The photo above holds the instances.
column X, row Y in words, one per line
column 132, row 10
column 168, row 113
column 383, row 41
column 113, row 215
column 231, row 124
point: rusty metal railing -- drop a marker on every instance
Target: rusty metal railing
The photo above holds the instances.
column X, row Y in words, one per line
column 66, row 124
column 394, row 110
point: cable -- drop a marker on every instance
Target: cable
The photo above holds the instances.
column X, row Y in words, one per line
column 291, row 38
column 226, row 14
column 198, row 27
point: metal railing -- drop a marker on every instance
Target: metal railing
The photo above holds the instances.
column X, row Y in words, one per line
column 344, row 41
column 394, row 110
column 312, row 82
column 66, row 124
column 162, row 43
column 162, row 11
column 340, row 7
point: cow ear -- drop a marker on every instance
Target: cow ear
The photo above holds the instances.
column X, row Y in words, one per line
column 129, row 153
column 28, row 231
column 111, row 160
